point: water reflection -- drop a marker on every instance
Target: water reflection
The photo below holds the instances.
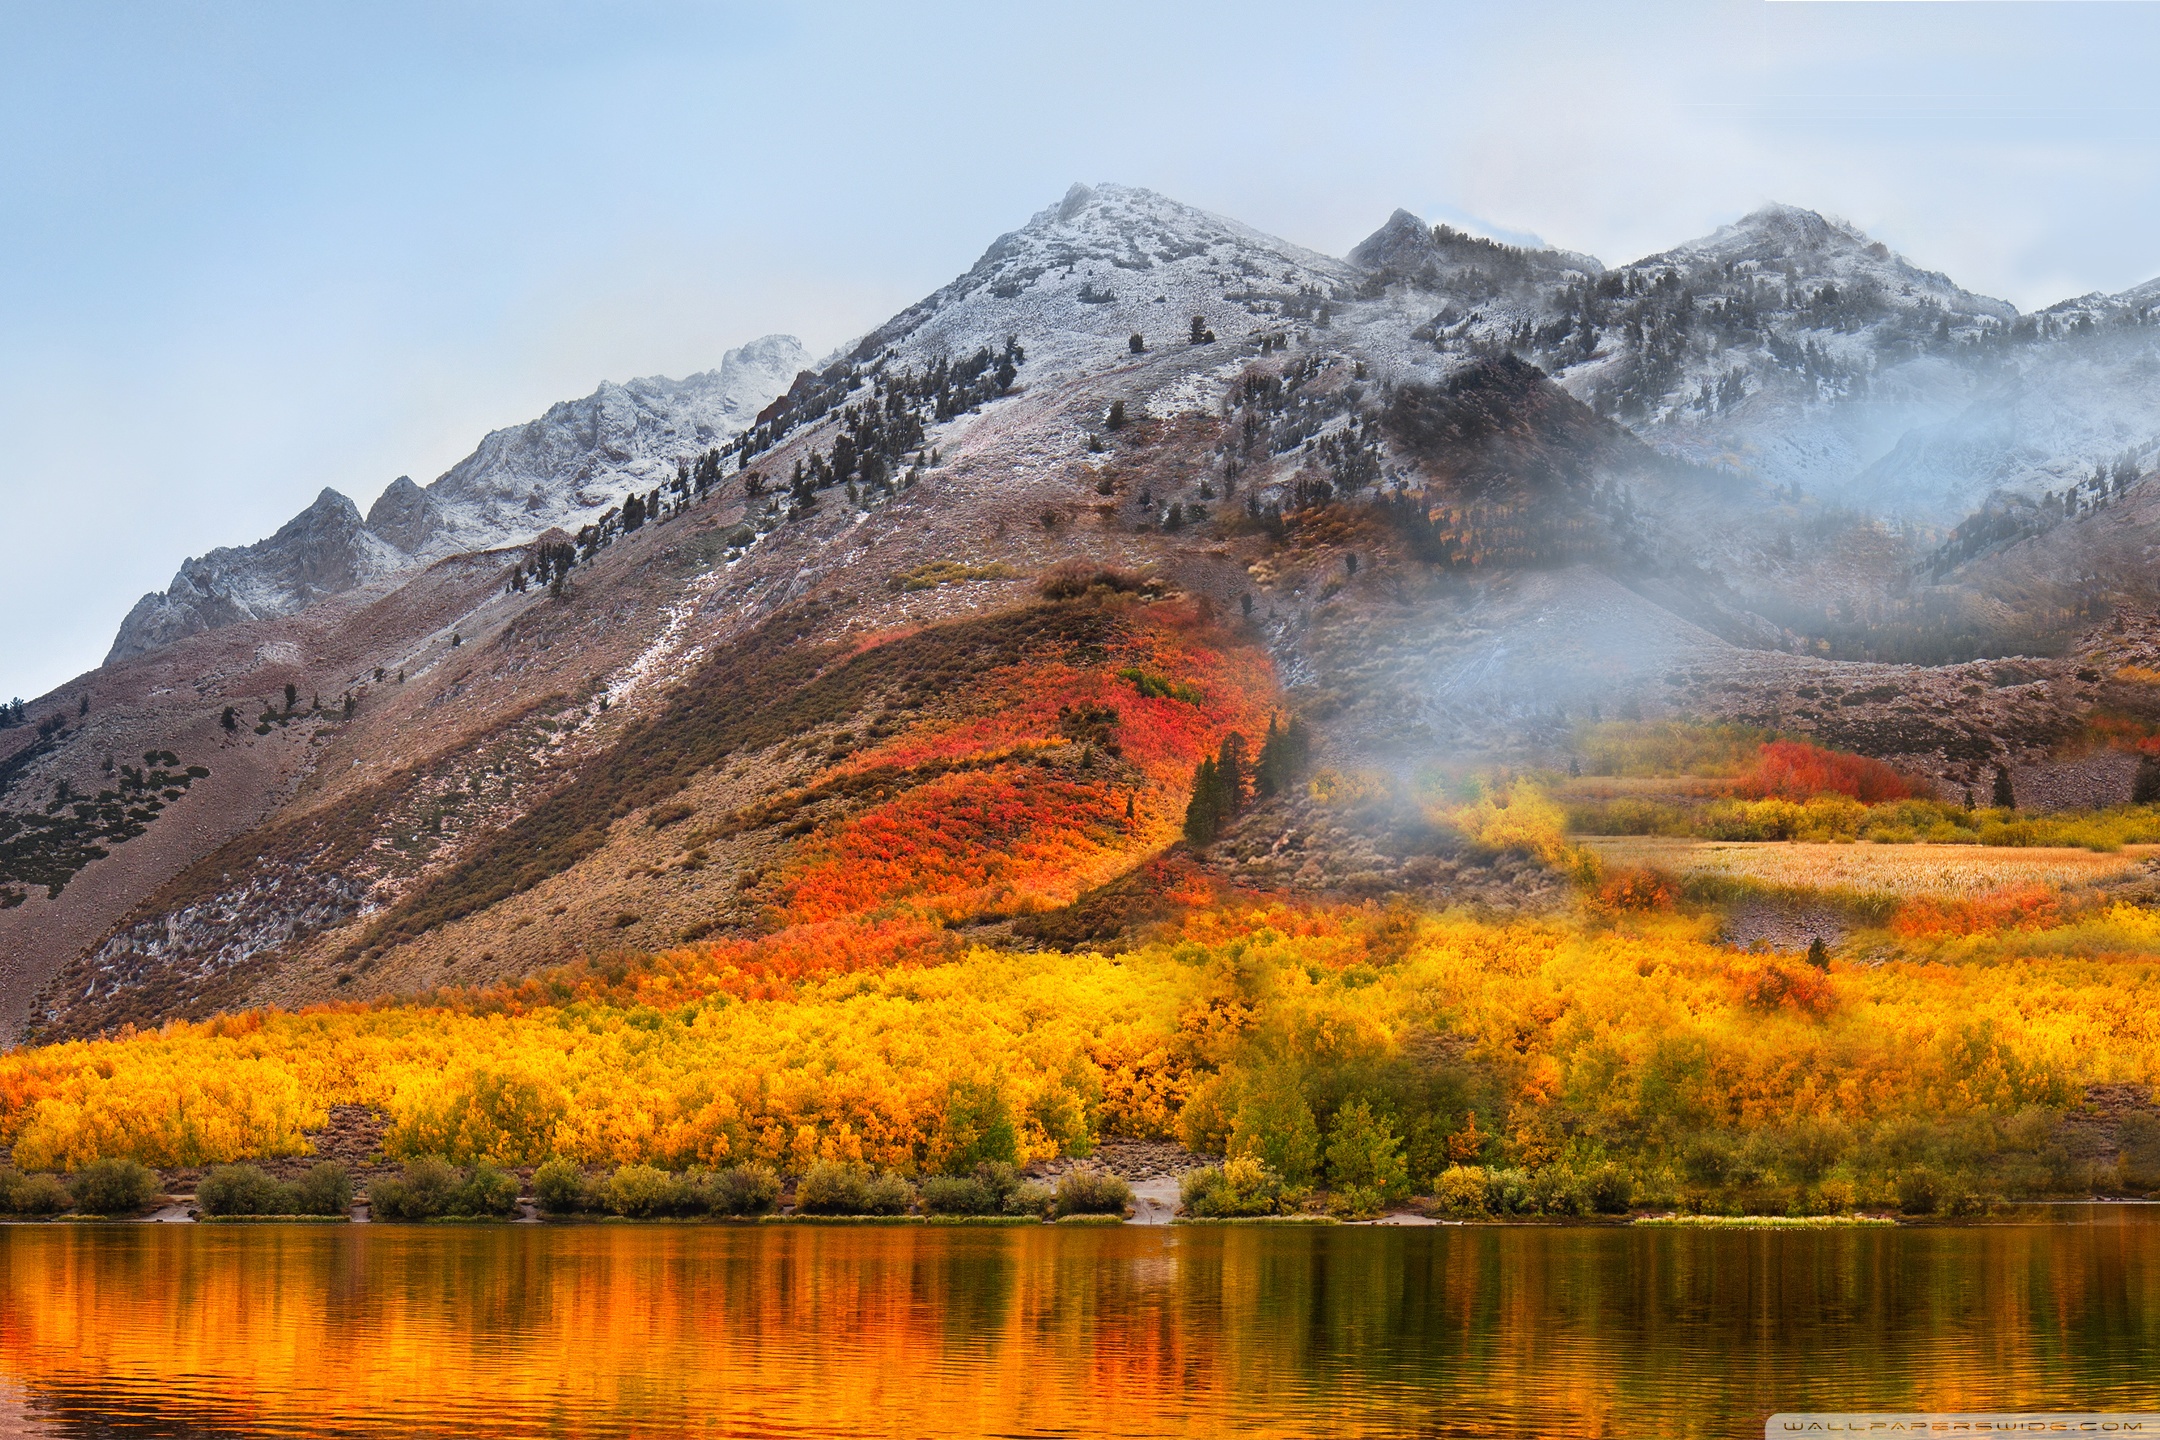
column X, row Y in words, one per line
column 781, row 1330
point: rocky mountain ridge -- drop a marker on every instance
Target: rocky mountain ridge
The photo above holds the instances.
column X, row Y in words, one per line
column 1785, row 347
column 560, row 470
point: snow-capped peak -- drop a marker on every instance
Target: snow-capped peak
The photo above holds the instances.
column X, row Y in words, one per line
column 562, row 469
column 1103, row 264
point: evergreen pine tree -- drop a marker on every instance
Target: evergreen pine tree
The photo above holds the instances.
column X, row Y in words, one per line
column 1282, row 756
column 1204, row 811
column 2005, row 797
column 2145, row 789
column 1232, row 773
column 1138, row 345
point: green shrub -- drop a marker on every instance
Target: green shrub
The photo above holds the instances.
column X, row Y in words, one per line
column 486, row 1191
column 740, row 1190
column 1460, row 1190
column 640, row 1192
column 113, row 1187
column 828, row 1188
column 1356, row 1202
column 888, row 1194
column 1919, row 1191
column 33, row 1194
column 833, row 1189
column 560, row 1188
column 1089, row 1192
column 1240, row 1186
column 1556, row 1190
column 1810, row 1150
column 989, row 1191
column 427, row 1188
column 2139, row 1136
column 241, row 1190
column 1507, row 1192
column 1029, row 1198
column 1610, row 1189
column 1275, row 1126
column 1709, row 1159
column 954, row 1195
column 325, row 1190
column 1363, row 1153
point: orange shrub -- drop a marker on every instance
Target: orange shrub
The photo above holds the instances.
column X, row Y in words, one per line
column 1638, row 887
column 1796, row 770
column 1778, row 985
column 2020, row 907
column 1010, row 836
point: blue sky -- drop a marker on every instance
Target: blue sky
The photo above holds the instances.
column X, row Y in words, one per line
column 247, row 251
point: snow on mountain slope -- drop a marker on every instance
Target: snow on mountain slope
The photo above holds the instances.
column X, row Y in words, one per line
column 1104, row 264
column 584, row 455
column 1791, row 348
column 1786, row 347
column 324, row 550
column 562, row 469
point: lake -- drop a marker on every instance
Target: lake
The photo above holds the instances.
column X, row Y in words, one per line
column 619, row 1330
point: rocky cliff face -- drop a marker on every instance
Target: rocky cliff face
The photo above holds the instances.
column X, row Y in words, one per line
column 565, row 467
column 324, row 550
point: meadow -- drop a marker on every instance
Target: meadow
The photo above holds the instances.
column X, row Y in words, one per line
column 1915, row 869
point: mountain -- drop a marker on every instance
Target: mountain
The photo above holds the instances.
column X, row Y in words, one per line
column 559, row 470
column 324, row 550
column 686, row 662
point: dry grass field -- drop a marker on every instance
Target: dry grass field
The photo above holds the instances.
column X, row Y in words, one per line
column 1902, row 870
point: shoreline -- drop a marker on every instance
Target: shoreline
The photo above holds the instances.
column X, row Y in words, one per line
column 1400, row 1219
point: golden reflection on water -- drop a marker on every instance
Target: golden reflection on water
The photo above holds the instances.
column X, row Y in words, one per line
column 782, row 1330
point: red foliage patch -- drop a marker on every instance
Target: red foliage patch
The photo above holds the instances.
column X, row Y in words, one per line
column 1796, row 770
column 1775, row 985
column 1014, row 828
column 1638, row 887
column 2021, row 907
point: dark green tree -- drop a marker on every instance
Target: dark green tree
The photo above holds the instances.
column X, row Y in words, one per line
column 1206, row 810
column 1283, row 756
column 1115, row 420
column 1233, row 771
column 2005, row 796
column 2145, row 789
column 1138, row 345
